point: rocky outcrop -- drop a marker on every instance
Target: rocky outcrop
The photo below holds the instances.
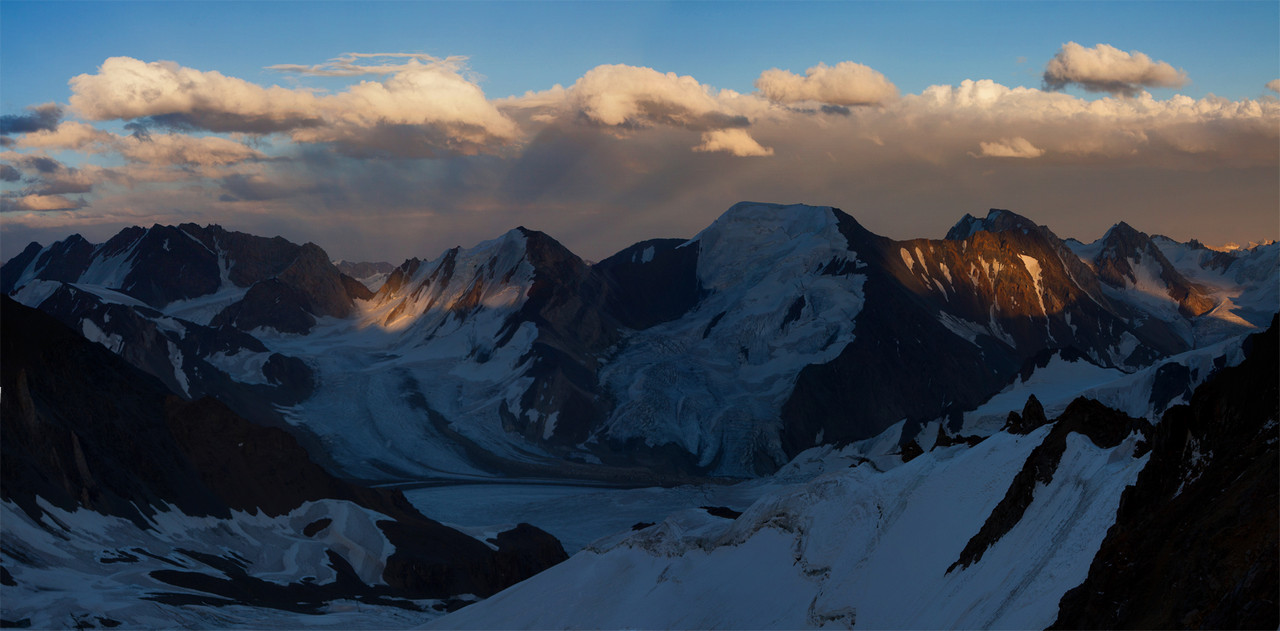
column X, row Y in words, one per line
column 1195, row 543
column 1103, row 426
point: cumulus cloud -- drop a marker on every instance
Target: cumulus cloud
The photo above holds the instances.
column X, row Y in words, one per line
column 125, row 88
column 9, row 174
column 41, row 117
column 732, row 141
column 636, row 97
column 844, row 84
column 422, row 109
column 1106, row 68
column 1274, row 85
column 1017, row 147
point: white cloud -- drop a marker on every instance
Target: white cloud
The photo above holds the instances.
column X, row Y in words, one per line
column 67, row 135
column 1274, row 85
column 733, row 141
column 1017, row 147
column 1106, row 68
column 846, row 83
column 421, row 109
column 631, row 96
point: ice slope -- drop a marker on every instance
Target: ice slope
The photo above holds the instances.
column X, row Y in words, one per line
column 1244, row 282
column 1059, row 382
column 855, row 546
column 83, row 565
column 713, row 382
column 436, row 347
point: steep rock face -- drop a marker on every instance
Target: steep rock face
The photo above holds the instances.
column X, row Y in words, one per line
column 952, row 321
column 84, row 429
column 1119, row 263
column 654, row 281
column 566, row 303
column 1195, row 541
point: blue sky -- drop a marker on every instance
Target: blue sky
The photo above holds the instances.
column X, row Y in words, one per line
column 1228, row 48
column 1174, row 166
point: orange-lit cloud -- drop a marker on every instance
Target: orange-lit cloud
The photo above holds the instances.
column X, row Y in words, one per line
column 732, row 141
column 1106, row 68
column 846, row 83
column 1016, row 147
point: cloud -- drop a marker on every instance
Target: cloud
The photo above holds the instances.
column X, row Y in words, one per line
column 160, row 149
column 39, row 203
column 349, row 64
column 125, row 88
column 9, row 174
column 42, row 117
column 422, row 109
column 68, row 135
column 633, row 97
column 1017, row 147
column 732, row 141
column 1274, row 85
column 846, row 83
column 1105, row 68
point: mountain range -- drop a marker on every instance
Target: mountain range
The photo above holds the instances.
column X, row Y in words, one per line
column 784, row 344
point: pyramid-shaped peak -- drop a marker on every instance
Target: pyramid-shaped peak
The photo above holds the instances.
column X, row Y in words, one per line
column 997, row 220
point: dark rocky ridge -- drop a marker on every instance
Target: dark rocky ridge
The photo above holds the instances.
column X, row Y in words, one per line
column 1196, row 543
column 904, row 363
column 85, row 429
column 1103, row 427
column 164, row 264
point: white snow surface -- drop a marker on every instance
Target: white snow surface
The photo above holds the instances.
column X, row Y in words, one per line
column 65, row 573
column 716, row 391
column 1060, row 382
column 854, row 546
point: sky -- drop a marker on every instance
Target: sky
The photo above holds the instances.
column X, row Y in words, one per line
column 388, row 130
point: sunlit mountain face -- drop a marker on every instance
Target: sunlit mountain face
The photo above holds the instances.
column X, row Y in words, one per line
column 453, row 315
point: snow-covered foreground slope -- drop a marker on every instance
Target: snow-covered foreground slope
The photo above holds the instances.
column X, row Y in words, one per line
column 853, row 546
column 70, row 567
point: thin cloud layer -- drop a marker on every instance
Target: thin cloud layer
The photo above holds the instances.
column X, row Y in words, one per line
column 1108, row 69
column 356, row 64
column 844, row 84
